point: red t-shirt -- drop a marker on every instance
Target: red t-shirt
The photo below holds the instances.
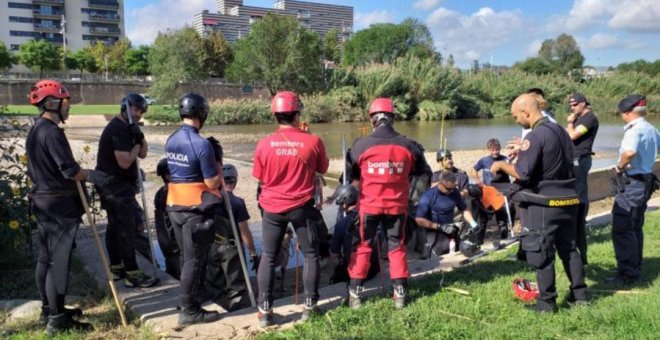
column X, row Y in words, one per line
column 286, row 163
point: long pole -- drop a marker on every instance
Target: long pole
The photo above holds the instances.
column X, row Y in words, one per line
column 154, row 271
column 508, row 214
column 237, row 237
column 104, row 260
column 442, row 130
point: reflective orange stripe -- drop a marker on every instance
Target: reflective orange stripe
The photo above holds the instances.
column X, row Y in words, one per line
column 492, row 197
column 187, row 194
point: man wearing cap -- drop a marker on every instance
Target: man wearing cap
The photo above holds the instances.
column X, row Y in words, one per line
column 582, row 127
column 637, row 154
column 446, row 161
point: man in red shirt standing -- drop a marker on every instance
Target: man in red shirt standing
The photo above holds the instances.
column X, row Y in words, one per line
column 382, row 164
column 286, row 163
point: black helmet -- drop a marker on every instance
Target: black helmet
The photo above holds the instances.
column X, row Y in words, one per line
column 346, row 194
column 442, row 153
column 193, row 105
column 468, row 248
column 161, row 169
column 134, row 99
column 229, row 170
column 474, row 191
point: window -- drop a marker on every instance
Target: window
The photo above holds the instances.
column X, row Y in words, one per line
column 15, row 47
column 21, row 19
column 20, row 5
column 22, row 34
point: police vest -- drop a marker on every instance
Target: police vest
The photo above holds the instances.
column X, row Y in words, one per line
column 191, row 196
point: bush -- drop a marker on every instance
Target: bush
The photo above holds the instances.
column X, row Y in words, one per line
column 241, row 111
column 430, row 110
column 16, row 220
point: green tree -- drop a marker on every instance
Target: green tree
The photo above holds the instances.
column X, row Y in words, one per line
column 281, row 54
column 85, row 62
column 70, row 63
column 563, row 53
column 640, row 65
column 176, row 56
column 331, row 48
column 218, row 54
column 136, row 60
column 6, row 58
column 547, row 49
column 98, row 51
column 40, row 55
column 536, row 66
column 384, row 43
column 116, row 56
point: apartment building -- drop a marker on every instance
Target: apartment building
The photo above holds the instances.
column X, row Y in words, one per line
column 71, row 23
column 234, row 19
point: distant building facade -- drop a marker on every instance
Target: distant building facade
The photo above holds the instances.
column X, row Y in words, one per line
column 80, row 22
column 234, row 19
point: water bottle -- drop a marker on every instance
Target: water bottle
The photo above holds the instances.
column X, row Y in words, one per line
column 452, row 246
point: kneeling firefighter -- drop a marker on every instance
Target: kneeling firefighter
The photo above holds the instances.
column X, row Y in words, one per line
column 192, row 197
column 548, row 203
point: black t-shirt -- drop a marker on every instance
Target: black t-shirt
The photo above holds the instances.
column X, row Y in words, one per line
column 546, row 153
column 51, row 165
column 116, row 137
column 583, row 146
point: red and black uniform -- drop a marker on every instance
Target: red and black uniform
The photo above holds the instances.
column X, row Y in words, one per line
column 286, row 163
column 190, row 205
column 383, row 162
column 57, row 207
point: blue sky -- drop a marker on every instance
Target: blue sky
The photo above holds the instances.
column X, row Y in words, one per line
column 608, row 32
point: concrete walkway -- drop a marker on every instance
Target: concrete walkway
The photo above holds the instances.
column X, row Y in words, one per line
column 157, row 306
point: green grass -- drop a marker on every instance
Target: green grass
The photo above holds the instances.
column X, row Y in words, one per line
column 81, row 109
column 491, row 310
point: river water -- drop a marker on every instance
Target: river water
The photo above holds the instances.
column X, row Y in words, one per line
column 465, row 134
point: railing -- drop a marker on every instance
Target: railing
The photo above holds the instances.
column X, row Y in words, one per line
column 38, row 12
column 104, row 3
column 47, row 27
column 104, row 30
column 49, row 1
column 97, row 17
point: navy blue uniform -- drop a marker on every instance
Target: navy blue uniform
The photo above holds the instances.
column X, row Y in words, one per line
column 438, row 207
column 546, row 172
column 191, row 204
column 631, row 203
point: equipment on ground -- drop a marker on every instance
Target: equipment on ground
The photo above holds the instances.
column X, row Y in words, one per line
column 526, row 291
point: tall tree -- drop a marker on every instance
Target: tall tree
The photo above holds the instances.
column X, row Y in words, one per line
column 99, row 52
column 218, row 54
column 116, row 55
column 176, row 56
column 85, row 61
column 563, row 53
column 280, row 53
column 136, row 60
column 331, row 48
column 547, row 49
column 40, row 55
column 6, row 58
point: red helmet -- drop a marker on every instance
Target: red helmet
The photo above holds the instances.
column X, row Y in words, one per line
column 286, row 102
column 46, row 88
column 525, row 290
column 384, row 105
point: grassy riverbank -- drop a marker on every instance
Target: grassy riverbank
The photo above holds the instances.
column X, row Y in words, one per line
column 490, row 311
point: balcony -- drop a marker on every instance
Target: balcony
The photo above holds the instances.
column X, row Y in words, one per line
column 104, row 4
column 103, row 18
column 347, row 29
column 47, row 28
column 48, row 2
column 37, row 13
column 55, row 40
column 304, row 14
column 105, row 30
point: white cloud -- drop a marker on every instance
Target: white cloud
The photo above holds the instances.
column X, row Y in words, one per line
column 468, row 37
column 533, row 48
column 628, row 15
column 638, row 16
column 147, row 21
column 425, row 4
column 601, row 41
column 364, row 20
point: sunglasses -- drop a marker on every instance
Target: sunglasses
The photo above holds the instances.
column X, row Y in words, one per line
column 573, row 104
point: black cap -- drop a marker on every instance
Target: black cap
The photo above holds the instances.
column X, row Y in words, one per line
column 578, row 97
column 629, row 103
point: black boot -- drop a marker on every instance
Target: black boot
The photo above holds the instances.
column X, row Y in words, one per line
column 189, row 316
column 45, row 313
column 64, row 322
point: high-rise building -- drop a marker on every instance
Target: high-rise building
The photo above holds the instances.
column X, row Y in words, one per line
column 80, row 22
column 234, row 19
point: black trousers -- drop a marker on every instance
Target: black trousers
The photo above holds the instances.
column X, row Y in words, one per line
column 627, row 225
column 547, row 231
column 121, row 231
column 305, row 221
column 57, row 229
column 194, row 234
column 224, row 282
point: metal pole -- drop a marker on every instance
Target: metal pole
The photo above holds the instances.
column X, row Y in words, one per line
column 508, row 214
column 237, row 237
column 154, row 271
column 104, row 260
